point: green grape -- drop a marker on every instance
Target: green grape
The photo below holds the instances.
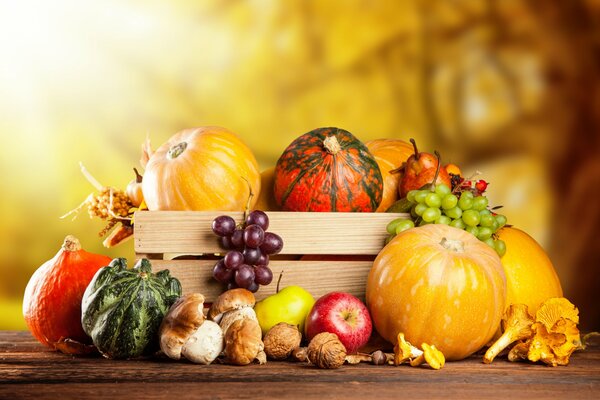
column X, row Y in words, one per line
column 484, row 233
column 413, row 213
column 458, row 223
column 431, row 214
column 466, row 201
column 490, row 242
column 480, row 203
column 410, row 196
column 500, row 247
column 449, row 201
column 424, row 223
column 485, row 212
column 420, row 195
column 454, row 212
column 420, row 209
column 444, row 220
column 442, row 189
column 404, row 225
column 495, row 226
column 501, row 219
column 473, row 230
column 391, row 227
column 433, row 200
column 471, row 218
column 486, row 220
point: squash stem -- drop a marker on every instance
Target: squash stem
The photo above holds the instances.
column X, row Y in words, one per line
column 332, row 145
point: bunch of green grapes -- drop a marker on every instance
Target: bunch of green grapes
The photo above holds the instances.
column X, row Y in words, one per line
column 462, row 210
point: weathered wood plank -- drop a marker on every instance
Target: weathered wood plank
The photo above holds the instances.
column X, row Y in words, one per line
column 29, row 370
column 302, row 233
column 318, row 277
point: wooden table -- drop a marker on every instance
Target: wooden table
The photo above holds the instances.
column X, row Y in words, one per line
column 28, row 370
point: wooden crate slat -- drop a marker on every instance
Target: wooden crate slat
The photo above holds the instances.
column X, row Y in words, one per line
column 189, row 232
column 318, row 277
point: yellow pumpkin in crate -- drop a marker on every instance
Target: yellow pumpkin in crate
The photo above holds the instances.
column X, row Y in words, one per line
column 206, row 168
column 389, row 154
column 438, row 285
column 530, row 275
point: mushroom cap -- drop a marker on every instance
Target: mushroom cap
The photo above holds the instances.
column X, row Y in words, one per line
column 243, row 341
column 231, row 316
column 233, row 299
column 204, row 345
column 183, row 319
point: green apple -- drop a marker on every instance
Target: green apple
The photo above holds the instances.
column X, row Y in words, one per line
column 291, row 304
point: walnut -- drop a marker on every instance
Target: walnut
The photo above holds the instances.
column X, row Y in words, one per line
column 281, row 340
column 326, row 351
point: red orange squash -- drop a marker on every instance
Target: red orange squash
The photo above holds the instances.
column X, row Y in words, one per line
column 327, row 169
column 52, row 300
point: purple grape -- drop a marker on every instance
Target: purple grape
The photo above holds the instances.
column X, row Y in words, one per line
column 237, row 239
column 226, row 242
column 272, row 243
column 223, row 225
column 251, row 256
column 254, row 236
column 259, row 218
column 232, row 285
column 244, row 276
column 221, row 273
column 233, row 259
column 263, row 259
column 263, row 275
column 253, row 287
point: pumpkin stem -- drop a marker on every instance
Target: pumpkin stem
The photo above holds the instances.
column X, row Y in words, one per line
column 176, row 150
column 414, row 143
column 452, row 245
column 138, row 177
column 332, row 145
column 71, row 243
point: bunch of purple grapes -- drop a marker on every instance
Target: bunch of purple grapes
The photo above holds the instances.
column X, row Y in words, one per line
column 246, row 264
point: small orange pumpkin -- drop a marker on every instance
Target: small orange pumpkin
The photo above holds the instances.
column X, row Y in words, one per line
column 206, row 168
column 390, row 154
column 438, row 285
column 530, row 275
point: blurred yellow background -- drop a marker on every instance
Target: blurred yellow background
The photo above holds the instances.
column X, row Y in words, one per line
column 508, row 88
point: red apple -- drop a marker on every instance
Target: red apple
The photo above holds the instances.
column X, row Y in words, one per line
column 342, row 314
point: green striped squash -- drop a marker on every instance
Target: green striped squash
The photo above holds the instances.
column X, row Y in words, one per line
column 122, row 309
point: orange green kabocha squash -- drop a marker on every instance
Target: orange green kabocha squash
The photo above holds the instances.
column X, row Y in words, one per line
column 327, row 169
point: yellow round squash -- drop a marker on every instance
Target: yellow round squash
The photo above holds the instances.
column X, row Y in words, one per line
column 389, row 154
column 530, row 275
column 206, row 168
column 438, row 285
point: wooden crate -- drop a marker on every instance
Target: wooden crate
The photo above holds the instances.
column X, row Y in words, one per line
column 337, row 248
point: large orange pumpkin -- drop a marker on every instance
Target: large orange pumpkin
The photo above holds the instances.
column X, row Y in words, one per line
column 206, row 168
column 530, row 275
column 390, row 154
column 438, row 285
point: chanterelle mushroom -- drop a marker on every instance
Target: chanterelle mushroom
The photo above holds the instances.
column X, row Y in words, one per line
column 431, row 355
column 404, row 351
column 185, row 332
column 516, row 324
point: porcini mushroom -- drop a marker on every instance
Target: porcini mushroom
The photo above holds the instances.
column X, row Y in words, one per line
column 184, row 332
column 243, row 342
column 231, row 316
column 516, row 324
column 230, row 300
